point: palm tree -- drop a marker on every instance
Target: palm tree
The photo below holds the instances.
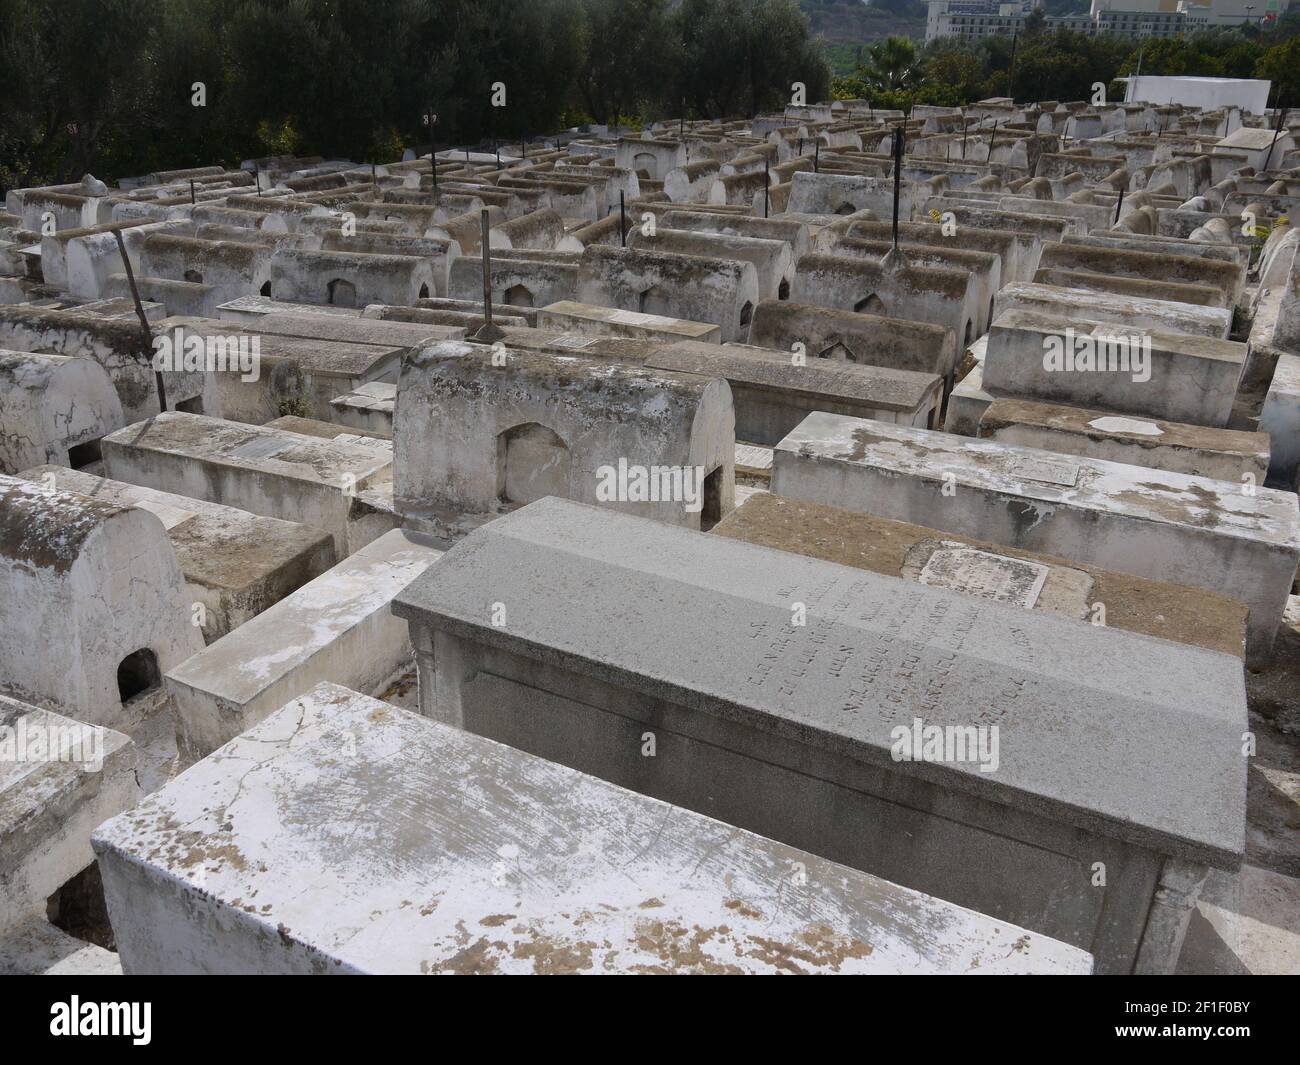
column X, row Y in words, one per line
column 892, row 64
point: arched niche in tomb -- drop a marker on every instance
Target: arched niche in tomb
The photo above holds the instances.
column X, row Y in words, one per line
column 645, row 165
column 519, row 296
column 341, row 293
column 532, row 462
column 838, row 351
column 100, row 592
column 137, row 674
column 655, row 301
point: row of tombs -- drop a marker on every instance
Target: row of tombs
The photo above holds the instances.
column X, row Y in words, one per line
column 649, row 553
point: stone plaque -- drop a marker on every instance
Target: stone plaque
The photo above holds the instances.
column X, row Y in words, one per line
column 1126, row 425
column 1045, row 471
column 260, row 447
column 998, row 577
column 753, row 458
column 573, row 341
column 635, row 318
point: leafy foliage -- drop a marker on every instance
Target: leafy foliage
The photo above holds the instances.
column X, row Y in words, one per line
column 1062, row 65
column 108, row 86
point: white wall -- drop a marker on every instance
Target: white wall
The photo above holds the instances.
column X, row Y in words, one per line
column 1206, row 93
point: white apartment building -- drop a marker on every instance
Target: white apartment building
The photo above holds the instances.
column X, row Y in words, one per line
column 973, row 19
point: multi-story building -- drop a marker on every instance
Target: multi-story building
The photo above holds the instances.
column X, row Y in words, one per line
column 973, row 19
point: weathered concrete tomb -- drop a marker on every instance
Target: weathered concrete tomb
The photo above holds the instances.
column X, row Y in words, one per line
column 523, row 556
column 787, row 728
column 1150, row 523
column 478, row 430
column 590, row 882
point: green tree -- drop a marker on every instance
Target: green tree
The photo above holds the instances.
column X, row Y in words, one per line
column 626, row 48
column 892, row 64
column 1281, row 65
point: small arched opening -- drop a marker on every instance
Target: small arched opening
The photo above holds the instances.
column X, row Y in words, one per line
column 341, row 293
column 646, row 165
column 653, row 301
column 265, row 290
column 137, row 673
column 519, row 296
column 783, row 290
column 532, row 462
column 871, row 304
column 838, row 351
column 193, row 277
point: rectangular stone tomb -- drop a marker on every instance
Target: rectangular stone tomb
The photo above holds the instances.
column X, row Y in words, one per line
column 592, row 320
column 1280, row 419
column 1200, row 451
column 1132, row 519
column 254, row 468
column 59, row 778
column 1180, row 378
column 336, row 628
column 1024, row 578
column 772, row 395
column 781, row 693
column 235, row 564
column 1133, row 312
column 474, row 857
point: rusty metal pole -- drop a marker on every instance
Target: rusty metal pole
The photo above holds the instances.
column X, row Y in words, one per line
column 1281, row 119
column 767, row 181
column 484, row 226
column 146, row 334
column 622, row 220
column 899, row 136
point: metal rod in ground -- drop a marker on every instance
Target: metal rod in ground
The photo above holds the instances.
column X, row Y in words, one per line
column 484, row 226
column 146, row 334
column 1118, row 204
column 1276, row 133
column 817, row 155
column 898, row 176
column 622, row 220
column 767, row 180
column 193, row 200
column 433, row 150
